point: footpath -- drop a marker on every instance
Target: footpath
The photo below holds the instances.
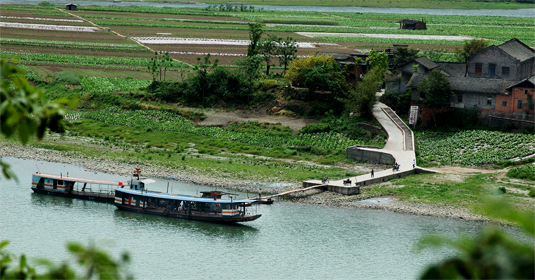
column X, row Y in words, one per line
column 399, row 149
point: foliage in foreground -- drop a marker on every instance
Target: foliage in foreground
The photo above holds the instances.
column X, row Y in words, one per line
column 24, row 110
column 493, row 254
column 95, row 263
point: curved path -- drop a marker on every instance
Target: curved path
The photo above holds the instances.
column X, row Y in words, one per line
column 400, row 145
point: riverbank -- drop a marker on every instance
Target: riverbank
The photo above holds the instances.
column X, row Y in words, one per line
column 367, row 199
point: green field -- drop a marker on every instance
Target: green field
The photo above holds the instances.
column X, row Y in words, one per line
column 428, row 4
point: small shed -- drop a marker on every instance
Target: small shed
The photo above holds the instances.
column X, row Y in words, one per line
column 412, row 24
column 71, row 7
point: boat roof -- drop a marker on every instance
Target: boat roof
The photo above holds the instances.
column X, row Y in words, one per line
column 183, row 197
column 82, row 180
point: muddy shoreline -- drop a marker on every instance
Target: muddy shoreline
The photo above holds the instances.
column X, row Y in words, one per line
column 12, row 149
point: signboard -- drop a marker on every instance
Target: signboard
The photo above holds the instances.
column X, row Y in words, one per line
column 413, row 115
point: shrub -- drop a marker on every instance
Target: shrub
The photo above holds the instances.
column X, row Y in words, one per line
column 68, row 77
column 531, row 192
column 502, row 189
column 267, row 84
column 264, row 97
column 523, row 172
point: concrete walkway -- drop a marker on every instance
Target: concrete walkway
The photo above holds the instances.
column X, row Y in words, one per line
column 399, row 148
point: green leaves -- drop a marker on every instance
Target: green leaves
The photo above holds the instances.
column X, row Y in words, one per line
column 24, row 110
column 165, row 121
column 492, row 254
column 103, row 85
column 96, row 264
column 473, row 147
column 436, row 88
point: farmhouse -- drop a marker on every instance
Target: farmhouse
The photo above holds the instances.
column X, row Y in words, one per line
column 497, row 81
column 71, row 7
column 412, row 24
column 350, row 63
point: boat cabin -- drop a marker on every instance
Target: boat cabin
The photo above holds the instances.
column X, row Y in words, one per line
column 184, row 207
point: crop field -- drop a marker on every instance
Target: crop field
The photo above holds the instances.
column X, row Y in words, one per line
column 215, row 31
column 438, row 4
column 153, row 120
column 474, row 147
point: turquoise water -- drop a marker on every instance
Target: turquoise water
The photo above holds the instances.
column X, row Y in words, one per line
column 290, row 241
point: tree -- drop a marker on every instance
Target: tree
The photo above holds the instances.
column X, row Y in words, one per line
column 363, row 98
column 286, row 51
column 317, row 72
column 26, row 111
column 250, row 66
column 436, row 90
column 404, row 55
column 158, row 65
column 378, row 60
column 268, row 48
column 201, row 79
column 255, row 34
column 471, row 47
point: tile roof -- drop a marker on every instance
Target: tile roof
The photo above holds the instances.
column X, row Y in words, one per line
column 480, row 85
column 453, row 69
column 517, row 49
column 529, row 80
column 467, row 84
column 426, row 62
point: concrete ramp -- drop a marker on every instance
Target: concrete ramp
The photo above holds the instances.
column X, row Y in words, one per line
column 399, row 149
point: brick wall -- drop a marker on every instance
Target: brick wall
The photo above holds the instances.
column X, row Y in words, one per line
column 425, row 113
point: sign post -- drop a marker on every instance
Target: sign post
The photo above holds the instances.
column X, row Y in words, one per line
column 413, row 116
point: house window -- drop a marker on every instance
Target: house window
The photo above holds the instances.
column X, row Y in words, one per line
column 460, row 98
column 479, row 69
column 504, row 103
column 422, row 95
column 505, row 71
column 532, row 106
column 489, row 100
column 492, row 70
column 519, row 104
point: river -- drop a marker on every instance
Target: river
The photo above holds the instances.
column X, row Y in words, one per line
column 290, row 240
column 417, row 11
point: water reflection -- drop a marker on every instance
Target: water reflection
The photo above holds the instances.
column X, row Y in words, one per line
column 166, row 223
column 50, row 200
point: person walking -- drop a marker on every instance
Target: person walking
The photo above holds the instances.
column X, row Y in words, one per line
column 413, row 163
column 372, row 172
column 259, row 193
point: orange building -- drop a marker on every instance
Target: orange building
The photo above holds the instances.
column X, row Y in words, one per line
column 518, row 98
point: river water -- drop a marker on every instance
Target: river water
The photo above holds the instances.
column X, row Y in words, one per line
column 460, row 12
column 290, row 240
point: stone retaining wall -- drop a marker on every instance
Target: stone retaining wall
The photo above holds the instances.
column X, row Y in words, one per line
column 357, row 152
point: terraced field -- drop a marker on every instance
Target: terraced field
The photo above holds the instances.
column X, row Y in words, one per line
column 224, row 34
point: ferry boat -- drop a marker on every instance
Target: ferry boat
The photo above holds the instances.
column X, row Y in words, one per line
column 88, row 189
column 208, row 209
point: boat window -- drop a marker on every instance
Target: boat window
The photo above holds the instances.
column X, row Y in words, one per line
column 60, row 182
